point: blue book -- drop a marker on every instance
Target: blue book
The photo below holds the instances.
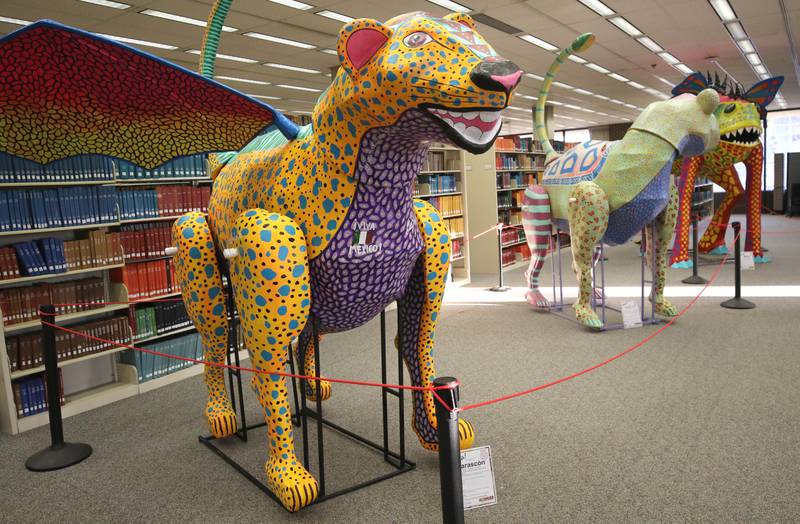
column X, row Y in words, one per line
column 5, row 219
column 25, row 398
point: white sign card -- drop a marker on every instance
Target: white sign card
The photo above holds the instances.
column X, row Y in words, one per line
column 631, row 316
column 477, row 477
column 748, row 262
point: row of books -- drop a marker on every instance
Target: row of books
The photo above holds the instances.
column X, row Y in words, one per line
column 510, row 217
column 160, row 318
column 447, row 205
column 433, row 184
column 26, row 351
column 162, row 201
column 517, row 143
column 508, row 199
column 23, row 209
column 143, row 241
column 149, row 366
column 148, row 279
column 79, row 168
column 455, row 225
column 512, row 180
column 21, row 304
column 512, row 235
column 438, row 161
column 456, row 248
column 30, row 395
column 193, row 166
column 514, row 254
column 508, row 161
column 44, row 256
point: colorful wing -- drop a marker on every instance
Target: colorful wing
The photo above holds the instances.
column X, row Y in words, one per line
column 763, row 92
column 693, row 84
column 66, row 92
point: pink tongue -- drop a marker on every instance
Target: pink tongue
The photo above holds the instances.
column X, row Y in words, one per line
column 475, row 122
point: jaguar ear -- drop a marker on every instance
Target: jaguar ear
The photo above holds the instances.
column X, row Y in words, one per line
column 359, row 41
column 462, row 18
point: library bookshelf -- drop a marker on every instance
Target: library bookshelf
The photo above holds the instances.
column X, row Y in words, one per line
column 442, row 183
column 102, row 258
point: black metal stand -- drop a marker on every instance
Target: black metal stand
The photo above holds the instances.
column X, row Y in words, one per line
column 60, row 454
column 737, row 302
column 449, row 453
column 303, row 412
column 695, row 278
column 500, row 284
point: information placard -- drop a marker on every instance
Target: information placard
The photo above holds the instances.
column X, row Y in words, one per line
column 748, row 262
column 477, row 477
column 631, row 316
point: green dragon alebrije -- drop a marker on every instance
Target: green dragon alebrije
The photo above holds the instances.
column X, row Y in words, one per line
column 608, row 191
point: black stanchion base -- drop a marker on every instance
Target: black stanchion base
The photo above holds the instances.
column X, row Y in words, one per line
column 58, row 456
column 738, row 303
column 694, row 279
column 499, row 288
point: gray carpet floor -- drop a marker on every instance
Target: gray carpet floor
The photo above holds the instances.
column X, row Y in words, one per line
column 700, row 424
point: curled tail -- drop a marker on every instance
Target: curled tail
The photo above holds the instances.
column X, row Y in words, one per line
column 581, row 43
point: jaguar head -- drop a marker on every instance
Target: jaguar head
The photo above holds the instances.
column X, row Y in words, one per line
column 441, row 67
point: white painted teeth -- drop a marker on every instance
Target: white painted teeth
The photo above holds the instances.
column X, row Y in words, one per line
column 471, row 133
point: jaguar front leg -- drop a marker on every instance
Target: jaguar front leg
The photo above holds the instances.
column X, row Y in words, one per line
column 418, row 310
column 272, row 291
column 664, row 226
column 588, row 213
column 305, row 356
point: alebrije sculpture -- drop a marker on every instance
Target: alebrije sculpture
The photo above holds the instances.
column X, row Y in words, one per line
column 608, row 191
column 739, row 115
column 318, row 220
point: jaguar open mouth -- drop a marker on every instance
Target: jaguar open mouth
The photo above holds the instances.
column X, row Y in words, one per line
column 744, row 136
column 473, row 130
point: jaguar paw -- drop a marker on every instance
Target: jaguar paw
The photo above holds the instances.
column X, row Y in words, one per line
column 586, row 316
column 665, row 308
column 324, row 388
column 685, row 264
column 291, row 482
column 221, row 422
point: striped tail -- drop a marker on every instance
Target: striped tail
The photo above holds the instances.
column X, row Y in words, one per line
column 581, row 43
column 536, row 220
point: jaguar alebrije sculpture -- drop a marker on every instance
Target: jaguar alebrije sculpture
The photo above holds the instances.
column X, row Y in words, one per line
column 318, row 220
column 739, row 115
column 608, row 191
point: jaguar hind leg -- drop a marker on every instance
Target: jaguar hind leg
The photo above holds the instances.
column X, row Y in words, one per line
column 305, row 356
column 201, row 287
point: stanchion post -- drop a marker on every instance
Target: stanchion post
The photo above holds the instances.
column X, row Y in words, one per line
column 60, row 454
column 737, row 302
column 449, row 452
column 695, row 278
column 500, row 284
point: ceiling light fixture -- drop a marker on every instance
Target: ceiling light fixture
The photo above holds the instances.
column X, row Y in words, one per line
column 576, row 58
column 333, row 15
column 453, row 6
column 650, row 44
column 292, row 68
column 135, row 41
column 601, row 97
column 538, row 42
column 15, row 21
column 753, row 58
column 621, row 78
column 636, row 85
column 107, row 3
column 668, row 58
column 181, row 19
column 299, row 88
column 294, row 4
column 529, row 97
column 736, row 30
column 279, row 40
column 599, row 69
column 583, row 92
column 626, row 26
column 724, row 10
column 686, row 70
column 265, row 97
column 243, row 80
column 598, row 7
column 535, row 77
column 329, row 52
column 226, row 57
column 746, row 46
column 562, row 84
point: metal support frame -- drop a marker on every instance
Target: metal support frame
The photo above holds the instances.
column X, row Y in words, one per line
column 598, row 298
column 397, row 459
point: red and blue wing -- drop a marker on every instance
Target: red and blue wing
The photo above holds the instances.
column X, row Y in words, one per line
column 66, row 92
column 693, row 84
column 764, row 92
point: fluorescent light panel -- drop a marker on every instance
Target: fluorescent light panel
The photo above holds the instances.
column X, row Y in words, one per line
column 279, row 40
column 16, row 21
column 299, row 88
column 181, row 19
column 329, row 52
column 583, row 92
column 243, row 80
column 453, row 6
column 599, row 69
column 736, row 30
column 538, row 42
column 621, row 78
column 292, row 68
column 686, row 70
column 302, row 6
column 746, row 46
column 107, row 3
column 724, row 10
column 562, row 84
column 576, row 58
column 226, row 57
column 753, row 58
column 626, row 26
column 145, row 43
column 535, row 77
column 650, row 44
column 333, row 15
column 636, row 85
column 265, row 97
column 598, row 7
column 760, row 69
column 668, row 58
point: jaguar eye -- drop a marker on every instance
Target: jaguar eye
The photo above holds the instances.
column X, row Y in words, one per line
column 731, row 108
column 417, row 39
